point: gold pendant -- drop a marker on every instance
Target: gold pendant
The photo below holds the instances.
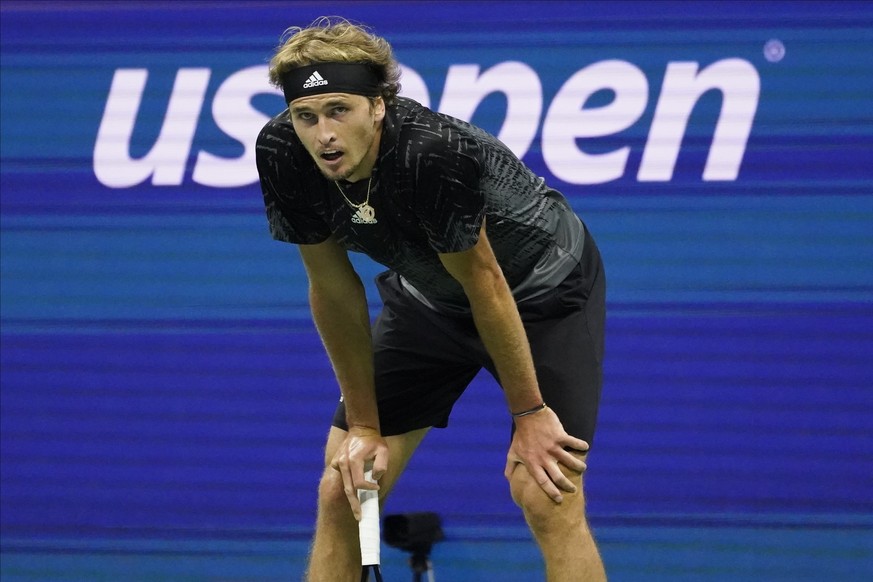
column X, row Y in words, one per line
column 365, row 214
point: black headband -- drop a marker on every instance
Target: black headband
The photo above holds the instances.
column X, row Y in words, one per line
column 355, row 78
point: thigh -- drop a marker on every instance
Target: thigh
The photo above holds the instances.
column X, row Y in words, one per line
column 569, row 373
column 423, row 362
column 567, row 346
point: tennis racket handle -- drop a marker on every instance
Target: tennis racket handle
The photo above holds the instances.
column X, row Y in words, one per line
column 368, row 527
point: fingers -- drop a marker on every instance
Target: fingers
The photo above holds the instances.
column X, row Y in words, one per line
column 351, row 461
column 549, row 477
column 577, row 444
column 509, row 468
column 549, row 484
column 350, row 490
column 560, row 480
column 553, row 471
column 380, row 465
column 572, row 460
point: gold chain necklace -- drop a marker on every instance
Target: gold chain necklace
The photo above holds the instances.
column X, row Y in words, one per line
column 364, row 213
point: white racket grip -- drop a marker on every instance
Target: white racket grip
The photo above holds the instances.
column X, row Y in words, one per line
column 368, row 527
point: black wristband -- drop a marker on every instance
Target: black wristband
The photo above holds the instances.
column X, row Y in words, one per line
column 533, row 410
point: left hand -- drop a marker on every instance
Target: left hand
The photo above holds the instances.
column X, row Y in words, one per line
column 538, row 444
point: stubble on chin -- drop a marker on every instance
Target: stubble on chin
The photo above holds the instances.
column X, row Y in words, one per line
column 336, row 176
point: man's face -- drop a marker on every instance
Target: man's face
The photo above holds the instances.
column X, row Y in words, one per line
column 340, row 131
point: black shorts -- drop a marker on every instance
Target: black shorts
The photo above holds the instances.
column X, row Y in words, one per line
column 424, row 360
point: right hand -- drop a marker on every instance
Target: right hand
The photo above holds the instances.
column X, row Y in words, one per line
column 362, row 448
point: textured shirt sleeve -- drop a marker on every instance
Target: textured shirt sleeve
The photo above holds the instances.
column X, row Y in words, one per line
column 292, row 212
column 448, row 199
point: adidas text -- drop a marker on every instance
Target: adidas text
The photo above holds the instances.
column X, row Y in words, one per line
column 314, row 80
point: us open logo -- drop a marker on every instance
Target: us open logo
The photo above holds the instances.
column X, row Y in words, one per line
column 559, row 127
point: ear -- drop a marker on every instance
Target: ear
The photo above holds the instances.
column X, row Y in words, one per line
column 378, row 109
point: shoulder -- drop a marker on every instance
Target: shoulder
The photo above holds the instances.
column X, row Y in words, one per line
column 278, row 137
column 424, row 125
column 427, row 136
column 278, row 149
column 284, row 166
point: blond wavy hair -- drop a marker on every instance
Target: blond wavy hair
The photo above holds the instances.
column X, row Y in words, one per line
column 336, row 40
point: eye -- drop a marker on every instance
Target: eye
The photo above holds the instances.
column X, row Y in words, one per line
column 304, row 115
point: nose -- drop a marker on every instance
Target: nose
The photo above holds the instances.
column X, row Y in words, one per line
column 325, row 133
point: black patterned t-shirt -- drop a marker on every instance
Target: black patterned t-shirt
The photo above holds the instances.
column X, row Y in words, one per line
column 436, row 179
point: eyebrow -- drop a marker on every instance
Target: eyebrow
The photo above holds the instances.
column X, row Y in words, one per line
column 332, row 103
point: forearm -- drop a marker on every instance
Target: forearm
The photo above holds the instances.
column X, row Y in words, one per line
column 343, row 323
column 498, row 322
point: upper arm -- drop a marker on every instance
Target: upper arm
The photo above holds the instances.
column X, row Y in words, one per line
column 328, row 266
column 476, row 268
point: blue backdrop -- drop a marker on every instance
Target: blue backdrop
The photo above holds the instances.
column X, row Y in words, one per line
column 161, row 377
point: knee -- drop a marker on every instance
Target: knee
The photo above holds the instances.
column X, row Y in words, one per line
column 331, row 496
column 540, row 511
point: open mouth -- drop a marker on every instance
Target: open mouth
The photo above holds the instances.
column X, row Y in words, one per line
column 331, row 156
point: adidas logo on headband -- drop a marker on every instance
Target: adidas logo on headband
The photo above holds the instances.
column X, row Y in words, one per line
column 314, row 80
column 354, row 78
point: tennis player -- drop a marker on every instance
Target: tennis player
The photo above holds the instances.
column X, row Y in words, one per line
column 487, row 266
